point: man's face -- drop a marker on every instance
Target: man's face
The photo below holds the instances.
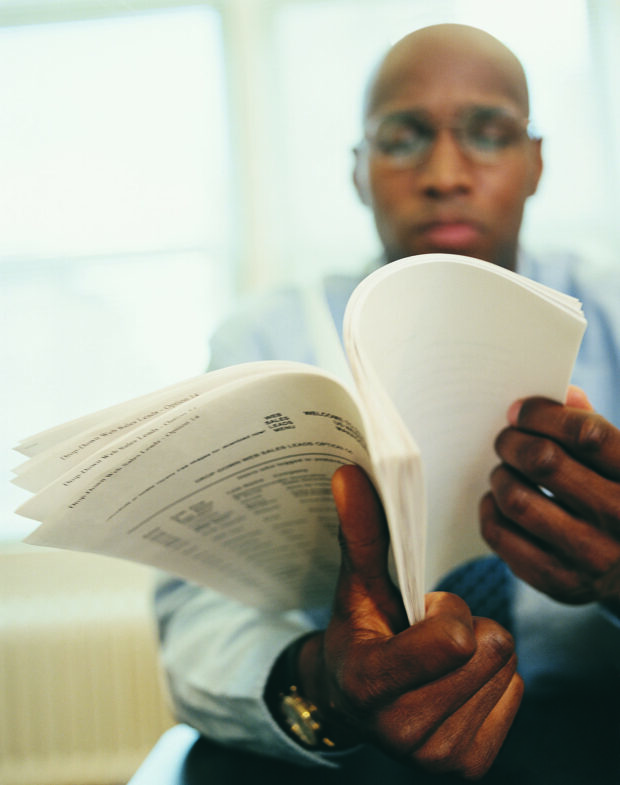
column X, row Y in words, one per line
column 436, row 177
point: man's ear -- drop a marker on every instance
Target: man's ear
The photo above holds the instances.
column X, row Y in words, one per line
column 360, row 175
column 536, row 165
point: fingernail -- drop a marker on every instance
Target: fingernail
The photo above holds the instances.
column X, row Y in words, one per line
column 513, row 411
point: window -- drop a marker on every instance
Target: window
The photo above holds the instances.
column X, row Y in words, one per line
column 115, row 201
column 159, row 157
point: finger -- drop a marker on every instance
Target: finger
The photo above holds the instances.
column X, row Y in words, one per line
column 364, row 533
column 531, row 560
column 584, row 434
column 369, row 632
column 456, row 704
column 578, row 399
column 375, row 671
column 441, row 642
column 575, row 397
column 492, row 733
column 469, row 740
column 579, row 488
column 570, row 537
column 366, row 599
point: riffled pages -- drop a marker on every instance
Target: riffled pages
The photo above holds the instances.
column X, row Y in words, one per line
column 224, row 479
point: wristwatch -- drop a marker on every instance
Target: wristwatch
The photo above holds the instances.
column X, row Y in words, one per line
column 302, row 720
column 293, row 712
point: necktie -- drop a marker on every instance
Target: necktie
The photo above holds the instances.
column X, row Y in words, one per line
column 487, row 586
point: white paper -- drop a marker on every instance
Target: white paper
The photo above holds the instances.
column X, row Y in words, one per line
column 224, row 479
column 231, row 490
column 453, row 342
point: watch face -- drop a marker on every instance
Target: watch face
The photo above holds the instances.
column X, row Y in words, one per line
column 299, row 719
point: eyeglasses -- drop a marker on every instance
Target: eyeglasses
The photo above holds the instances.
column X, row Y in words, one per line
column 483, row 134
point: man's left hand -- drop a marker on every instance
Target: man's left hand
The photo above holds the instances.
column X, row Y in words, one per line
column 553, row 512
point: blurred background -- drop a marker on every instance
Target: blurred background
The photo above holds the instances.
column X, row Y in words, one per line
column 160, row 160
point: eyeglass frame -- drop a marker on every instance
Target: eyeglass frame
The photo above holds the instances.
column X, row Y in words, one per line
column 414, row 160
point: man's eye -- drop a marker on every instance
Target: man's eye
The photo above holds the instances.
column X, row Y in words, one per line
column 401, row 139
column 493, row 134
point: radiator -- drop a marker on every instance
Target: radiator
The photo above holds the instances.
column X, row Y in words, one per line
column 81, row 694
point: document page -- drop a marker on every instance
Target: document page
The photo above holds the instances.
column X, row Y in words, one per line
column 55, row 451
column 452, row 342
column 230, row 489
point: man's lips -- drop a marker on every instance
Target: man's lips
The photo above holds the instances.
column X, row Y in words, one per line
column 450, row 234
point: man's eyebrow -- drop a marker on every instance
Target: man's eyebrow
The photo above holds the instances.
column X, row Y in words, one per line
column 422, row 112
column 411, row 112
column 419, row 115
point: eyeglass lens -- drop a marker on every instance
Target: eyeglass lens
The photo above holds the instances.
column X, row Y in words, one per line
column 482, row 133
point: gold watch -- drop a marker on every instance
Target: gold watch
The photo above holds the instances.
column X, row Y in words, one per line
column 302, row 720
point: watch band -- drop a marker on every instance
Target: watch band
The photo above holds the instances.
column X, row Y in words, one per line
column 294, row 713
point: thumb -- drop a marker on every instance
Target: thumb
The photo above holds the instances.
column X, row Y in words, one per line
column 366, row 596
column 364, row 536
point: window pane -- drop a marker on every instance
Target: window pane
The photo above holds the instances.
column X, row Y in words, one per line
column 114, row 251
column 112, row 137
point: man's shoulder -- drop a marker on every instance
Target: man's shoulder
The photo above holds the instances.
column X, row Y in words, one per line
column 589, row 277
column 289, row 298
column 257, row 305
column 274, row 324
column 262, row 326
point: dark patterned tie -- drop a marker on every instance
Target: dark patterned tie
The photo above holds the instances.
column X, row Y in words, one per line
column 487, row 586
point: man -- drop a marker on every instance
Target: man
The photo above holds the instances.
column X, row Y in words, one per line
column 446, row 164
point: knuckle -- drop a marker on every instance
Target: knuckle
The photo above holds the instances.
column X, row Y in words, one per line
column 455, row 639
column 591, row 434
column 365, row 685
column 541, row 459
column 497, row 641
column 562, row 582
column 608, row 584
column 571, row 589
column 440, row 755
column 358, row 692
column 491, row 522
column 401, row 735
column 493, row 534
column 514, row 499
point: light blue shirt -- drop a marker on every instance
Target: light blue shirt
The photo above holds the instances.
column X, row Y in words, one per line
column 218, row 654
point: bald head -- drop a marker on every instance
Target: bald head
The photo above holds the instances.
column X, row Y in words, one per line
column 446, row 163
column 448, row 50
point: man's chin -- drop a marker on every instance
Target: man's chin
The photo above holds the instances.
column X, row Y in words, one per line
column 473, row 251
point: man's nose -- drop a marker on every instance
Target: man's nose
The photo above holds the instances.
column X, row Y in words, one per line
column 446, row 169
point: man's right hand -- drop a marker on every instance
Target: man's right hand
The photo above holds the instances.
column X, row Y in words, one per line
column 442, row 693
